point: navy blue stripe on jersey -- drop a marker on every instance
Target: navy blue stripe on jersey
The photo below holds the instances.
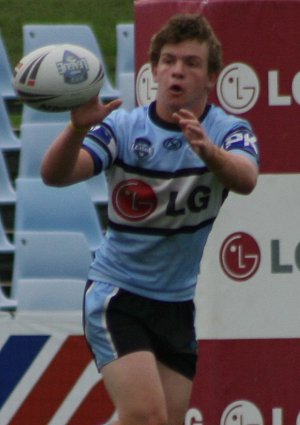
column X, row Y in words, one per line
column 160, row 231
column 102, row 145
column 104, row 137
column 98, row 164
column 103, row 132
column 241, row 139
column 184, row 172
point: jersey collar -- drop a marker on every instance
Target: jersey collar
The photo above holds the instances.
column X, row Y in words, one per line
column 168, row 125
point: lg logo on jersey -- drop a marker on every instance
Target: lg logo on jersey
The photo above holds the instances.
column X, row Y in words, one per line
column 196, row 202
column 135, row 200
column 238, row 88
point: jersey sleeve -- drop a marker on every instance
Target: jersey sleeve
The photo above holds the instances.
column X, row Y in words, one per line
column 242, row 141
column 101, row 143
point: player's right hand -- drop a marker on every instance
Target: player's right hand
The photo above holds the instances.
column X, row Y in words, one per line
column 93, row 112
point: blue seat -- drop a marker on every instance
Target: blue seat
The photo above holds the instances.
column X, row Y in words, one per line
column 50, row 270
column 6, row 88
column 7, row 192
column 125, row 58
column 35, row 36
column 126, row 85
column 97, row 187
column 50, row 294
column 36, row 138
column 7, row 304
column 30, row 115
column 43, row 208
column 125, row 64
column 8, row 139
column 6, row 247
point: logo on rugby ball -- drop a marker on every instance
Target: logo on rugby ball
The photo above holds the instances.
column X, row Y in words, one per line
column 73, row 68
column 29, row 72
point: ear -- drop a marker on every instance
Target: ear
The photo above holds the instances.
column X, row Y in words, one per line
column 154, row 72
column 212, row 79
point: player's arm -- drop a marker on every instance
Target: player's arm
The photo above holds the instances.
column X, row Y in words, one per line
column 236, row 172
column 66, row 162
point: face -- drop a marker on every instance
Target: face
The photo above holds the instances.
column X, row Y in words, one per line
column 182, row 78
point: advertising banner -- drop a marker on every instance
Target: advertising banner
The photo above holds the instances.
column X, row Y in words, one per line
column 47, row 374
column 249, row 287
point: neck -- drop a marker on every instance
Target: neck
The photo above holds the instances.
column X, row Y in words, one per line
column 166, row 114
column 170, row 123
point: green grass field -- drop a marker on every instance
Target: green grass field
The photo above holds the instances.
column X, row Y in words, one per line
column 101, row 15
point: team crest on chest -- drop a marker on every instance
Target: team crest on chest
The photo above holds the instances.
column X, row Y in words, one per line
column 172, row 144
column 142, row 148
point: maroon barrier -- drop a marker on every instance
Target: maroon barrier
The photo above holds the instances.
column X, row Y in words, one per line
column 249, row 368
column 264, row 37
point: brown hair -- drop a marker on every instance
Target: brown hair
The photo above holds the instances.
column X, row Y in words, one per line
column 184, row 27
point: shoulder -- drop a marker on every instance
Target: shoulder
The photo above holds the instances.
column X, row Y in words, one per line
column 234, row 134
column 220, row 125
column 218, row 117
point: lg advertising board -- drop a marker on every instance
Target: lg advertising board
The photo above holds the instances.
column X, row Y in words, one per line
column 249, row 288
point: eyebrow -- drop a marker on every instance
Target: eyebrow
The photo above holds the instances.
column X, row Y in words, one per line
column 173, row 55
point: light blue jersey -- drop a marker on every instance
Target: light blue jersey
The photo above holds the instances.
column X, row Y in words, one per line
column 163, row 200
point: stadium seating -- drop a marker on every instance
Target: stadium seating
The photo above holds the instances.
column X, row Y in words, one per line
column 6, row 247
column 35, row 36
column 125, row 59
column 125, row 64
column 97, row 187
column 7, row 192
column 7, row 304
column 50, row 294
column 8, row 139
column 36, row 138
column 6, row 88
column 27, row 205
column 43, row 208
column 50, row 270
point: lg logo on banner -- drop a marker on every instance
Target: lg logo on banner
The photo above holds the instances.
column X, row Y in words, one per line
column 238, row 88
column 240, row 256
column 240, row 412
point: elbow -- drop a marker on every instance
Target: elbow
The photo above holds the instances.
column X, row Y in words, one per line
column 248, row 177
column 49, row 178
column 247, row 186
column 247, row 189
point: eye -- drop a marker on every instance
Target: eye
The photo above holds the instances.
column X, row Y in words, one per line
column 193, row 63
column 167, row 60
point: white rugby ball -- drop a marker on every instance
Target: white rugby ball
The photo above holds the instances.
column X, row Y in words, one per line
column 58, row 77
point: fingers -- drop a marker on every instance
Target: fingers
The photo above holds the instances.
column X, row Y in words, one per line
column 186, row 119
column 114, row 104
column 93, row 112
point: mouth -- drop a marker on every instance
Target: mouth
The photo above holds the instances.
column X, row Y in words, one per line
column 176, row 89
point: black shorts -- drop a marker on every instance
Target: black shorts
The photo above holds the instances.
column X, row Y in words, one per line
column 117, row 322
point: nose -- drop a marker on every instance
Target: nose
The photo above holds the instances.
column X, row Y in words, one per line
column 178, row 68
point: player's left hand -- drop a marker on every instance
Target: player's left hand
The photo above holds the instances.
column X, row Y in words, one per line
column 194, row 133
